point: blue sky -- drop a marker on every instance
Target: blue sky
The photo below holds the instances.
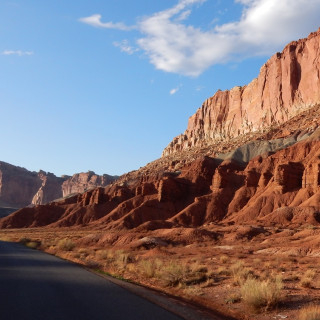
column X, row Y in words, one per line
column 106, row 85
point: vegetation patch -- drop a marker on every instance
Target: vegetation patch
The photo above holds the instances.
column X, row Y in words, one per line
column 311, row 312
column 258, row 294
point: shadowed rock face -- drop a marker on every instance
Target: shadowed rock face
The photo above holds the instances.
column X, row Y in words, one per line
column 287, row 84
column 20, row 187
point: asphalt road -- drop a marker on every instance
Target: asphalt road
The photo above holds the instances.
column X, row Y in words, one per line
column 35, row 285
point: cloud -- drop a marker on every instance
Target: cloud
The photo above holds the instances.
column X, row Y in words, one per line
column 264, row 27
column 17, row 53
column 125, row 47
column 95, row 21
column 175, row 90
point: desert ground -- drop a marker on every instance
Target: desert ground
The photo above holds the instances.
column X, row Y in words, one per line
column 218, row 267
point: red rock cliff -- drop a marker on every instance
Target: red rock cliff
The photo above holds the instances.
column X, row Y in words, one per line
column 81, row 182
column 287, row 84
column 20, row 187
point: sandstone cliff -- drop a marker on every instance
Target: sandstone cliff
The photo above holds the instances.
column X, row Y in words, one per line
column 264, row 167
column 80, row 182
column 288, row 83
column 20, row 187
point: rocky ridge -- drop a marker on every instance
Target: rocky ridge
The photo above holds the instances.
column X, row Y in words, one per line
column 20, row 187
column 288, row 83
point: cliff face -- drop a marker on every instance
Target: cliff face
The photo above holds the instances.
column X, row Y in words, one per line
column 265, row 169
column 287, row 84
column 17, row 185
column 20, row 187
column 80, row 182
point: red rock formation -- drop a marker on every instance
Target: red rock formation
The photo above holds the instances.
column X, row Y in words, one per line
column 272, row 180
column 81, row 182
column 230, row 192
column 17, row 185
column 50, row 188
column 20, row 187
column 288, row 83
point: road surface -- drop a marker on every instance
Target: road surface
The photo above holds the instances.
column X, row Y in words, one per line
column 38, row 286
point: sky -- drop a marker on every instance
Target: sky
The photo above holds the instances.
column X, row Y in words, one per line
column 106, row 85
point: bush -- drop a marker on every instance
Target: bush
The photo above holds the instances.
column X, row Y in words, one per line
column 259, row 294
column 33, row 244
column 311, row 312
column 150, row 267
column 307, row 279
column 66, row 244
column 224, row 259
column 172, row 274
column 240, row 273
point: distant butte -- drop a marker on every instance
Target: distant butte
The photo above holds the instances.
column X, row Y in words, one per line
column 20, row 187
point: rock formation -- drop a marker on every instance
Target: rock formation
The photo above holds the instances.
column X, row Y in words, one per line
column 249, row 156
column 288, row 83
column 20, row 187
column 80, row 182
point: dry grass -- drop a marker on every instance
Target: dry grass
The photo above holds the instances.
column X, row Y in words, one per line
column 224, row 259
column 307, row 279
column 66, row 244
column 33, row 244
column 259, row 294
column 311, row 312
column 239, row 273
column 172, row 274
column 150, row 268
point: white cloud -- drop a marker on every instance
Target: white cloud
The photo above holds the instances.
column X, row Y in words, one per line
column 16, row 53
column 175, row 90
column 95, row 21
column 264, row 27
column 125, row 47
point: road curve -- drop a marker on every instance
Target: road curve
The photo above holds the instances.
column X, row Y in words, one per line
column 38, row 286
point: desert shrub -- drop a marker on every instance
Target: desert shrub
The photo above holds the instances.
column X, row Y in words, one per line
column 150, row 267
column 103, row 254
column 119, row 259
column 308, row 279
column 223, row 271
column 311, row 312
column 224, row 259
column 239, row 272
column 195, row 273
column 172, row 274
column 259, row 294
column 33, row 244
column 66, row 244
